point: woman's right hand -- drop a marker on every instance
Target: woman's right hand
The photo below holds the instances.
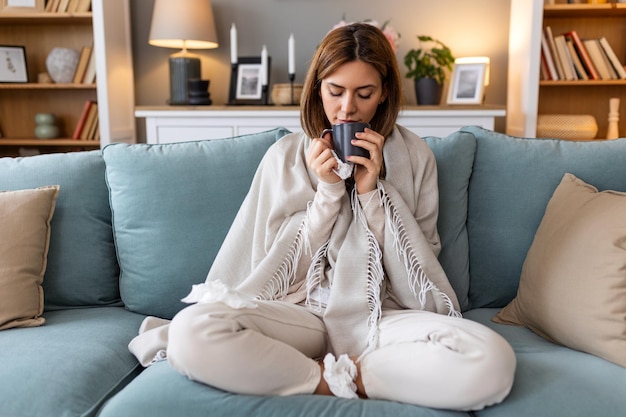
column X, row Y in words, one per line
column 321, row 160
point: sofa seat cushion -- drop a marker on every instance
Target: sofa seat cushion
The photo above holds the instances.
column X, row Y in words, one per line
column 172, row 207
column 511, row 184
column 160, row 391
column 69, row 366
column 553, row 380
column 81, row 236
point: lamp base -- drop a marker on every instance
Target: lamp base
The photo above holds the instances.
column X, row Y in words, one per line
column 183, row 66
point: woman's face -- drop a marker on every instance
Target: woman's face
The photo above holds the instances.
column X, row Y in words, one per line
column 352, row 93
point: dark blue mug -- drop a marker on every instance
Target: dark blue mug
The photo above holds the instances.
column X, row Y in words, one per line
column 342, row 135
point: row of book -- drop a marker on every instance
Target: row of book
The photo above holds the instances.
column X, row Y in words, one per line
column 85, row 72
column 566, row 56
column 67, row 6
column 87, row 127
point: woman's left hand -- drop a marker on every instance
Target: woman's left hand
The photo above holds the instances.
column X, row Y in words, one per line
column 368, row 169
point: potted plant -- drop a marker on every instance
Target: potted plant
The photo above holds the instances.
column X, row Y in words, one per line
column 427, row 69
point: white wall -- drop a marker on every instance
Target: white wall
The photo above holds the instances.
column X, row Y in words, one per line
column 476, row 27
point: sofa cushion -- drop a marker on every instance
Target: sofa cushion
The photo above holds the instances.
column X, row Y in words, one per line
column 573, row 284
column 172, row 207
column 512, row 181
column 160, row 391
column 24, row 238
column 70, row 366
column 455, row 157
column 553, row 380
column 82, row 269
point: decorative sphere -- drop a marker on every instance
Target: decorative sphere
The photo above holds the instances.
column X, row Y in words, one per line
column 61, row 64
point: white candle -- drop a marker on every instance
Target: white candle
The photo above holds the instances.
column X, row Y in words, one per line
column 264, row 65
column 292, row 53
column 233, row 44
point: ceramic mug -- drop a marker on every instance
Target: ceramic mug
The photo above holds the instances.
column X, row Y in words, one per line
column 342, row 135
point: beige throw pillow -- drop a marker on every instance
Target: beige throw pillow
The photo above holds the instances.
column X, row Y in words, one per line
column 24, row 237
column 573, row 284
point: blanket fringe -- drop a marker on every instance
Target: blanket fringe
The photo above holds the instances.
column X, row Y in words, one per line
column 314, row 276
column 277, row 287
column 419, row 282
column 375, row 277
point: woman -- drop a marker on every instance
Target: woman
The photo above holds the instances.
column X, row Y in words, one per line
column 332, row 286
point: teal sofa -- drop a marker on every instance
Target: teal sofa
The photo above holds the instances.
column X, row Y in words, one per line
column 136, row 225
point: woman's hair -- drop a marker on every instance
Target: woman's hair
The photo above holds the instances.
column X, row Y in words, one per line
column 355, row 42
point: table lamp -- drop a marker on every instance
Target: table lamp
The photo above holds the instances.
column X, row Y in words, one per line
column 184, row 24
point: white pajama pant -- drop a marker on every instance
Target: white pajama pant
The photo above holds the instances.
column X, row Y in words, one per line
column 422, row 358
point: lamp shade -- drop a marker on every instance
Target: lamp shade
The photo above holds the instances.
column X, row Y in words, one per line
column 183, row 24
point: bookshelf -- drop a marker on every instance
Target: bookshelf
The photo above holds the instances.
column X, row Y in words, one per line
column 39, row 33
column 528, row 96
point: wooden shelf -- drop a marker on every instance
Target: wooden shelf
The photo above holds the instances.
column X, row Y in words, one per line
column 49, row 142
column 581, row 83
column 584, row 10
column 46, row 86
column 45, row 18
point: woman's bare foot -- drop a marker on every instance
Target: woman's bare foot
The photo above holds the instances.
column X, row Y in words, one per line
column 322, row 387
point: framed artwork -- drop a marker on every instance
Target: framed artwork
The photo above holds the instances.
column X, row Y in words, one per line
column 22, row 5
column 246, row 83
column 468, row 83
column 13, row 67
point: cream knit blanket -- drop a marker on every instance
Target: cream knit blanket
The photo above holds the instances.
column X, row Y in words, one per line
column 266, row 254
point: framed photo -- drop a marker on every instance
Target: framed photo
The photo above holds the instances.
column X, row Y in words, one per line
column 468, row 83
column 22, row 6
column 245, row 83
column 13, row 67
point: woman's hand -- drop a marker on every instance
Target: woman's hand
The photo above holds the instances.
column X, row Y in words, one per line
column 321, row 160
column 368, row 169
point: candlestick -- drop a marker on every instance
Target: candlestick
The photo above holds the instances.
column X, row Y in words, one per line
column 233, row 44
column 292, row 77
column 264, row 69
column 292, row 51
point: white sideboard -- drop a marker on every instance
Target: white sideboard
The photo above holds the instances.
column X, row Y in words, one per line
column 166, row 124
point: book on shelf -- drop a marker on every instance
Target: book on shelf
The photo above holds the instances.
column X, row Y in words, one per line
column 547, row 59
column 83, row 6
column 553, row 52
column 83, row 61
column 597, row 56
column 92, row 119
column 90, row 70
column 613, row 59
column 71, row 7
column 67, row 6
column 583, row 54
column 82, row 119
column 63, row 6
column 565, row 58
column 52, row 6
column 578, row 65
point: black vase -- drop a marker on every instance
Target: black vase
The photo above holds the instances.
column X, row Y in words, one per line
column 427, row 92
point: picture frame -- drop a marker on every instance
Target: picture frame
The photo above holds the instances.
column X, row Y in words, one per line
column 21, row 6
column 13, row 67
column 245, row 82
column 467, row 85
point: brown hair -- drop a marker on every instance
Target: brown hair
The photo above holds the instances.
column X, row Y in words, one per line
column 357, row 41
